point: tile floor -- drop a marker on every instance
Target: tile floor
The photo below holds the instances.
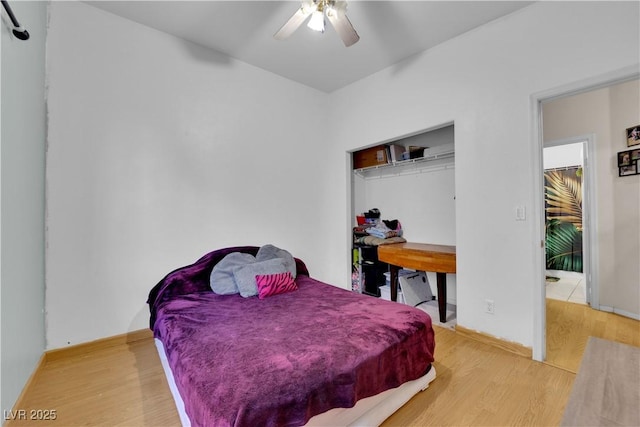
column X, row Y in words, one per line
column 431, row 308
column 570, row 287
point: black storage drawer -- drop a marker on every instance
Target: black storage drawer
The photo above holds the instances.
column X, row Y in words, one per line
column 369, row 253
column 372, row 270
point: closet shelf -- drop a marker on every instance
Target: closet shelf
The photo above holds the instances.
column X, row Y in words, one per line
column 405, row 167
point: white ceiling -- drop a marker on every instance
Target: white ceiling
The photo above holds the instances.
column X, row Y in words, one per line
column 390, row 31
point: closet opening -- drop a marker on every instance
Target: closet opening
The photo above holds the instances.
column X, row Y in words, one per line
column 410, row 181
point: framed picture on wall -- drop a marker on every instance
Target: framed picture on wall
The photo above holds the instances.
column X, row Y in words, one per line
column 629, row 162
column 633, row 136
column 628, row 170
column 624, row 158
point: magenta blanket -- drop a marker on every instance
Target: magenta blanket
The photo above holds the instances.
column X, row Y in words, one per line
column 281, row 360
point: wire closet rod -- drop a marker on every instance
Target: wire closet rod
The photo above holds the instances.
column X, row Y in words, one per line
column 18, row 31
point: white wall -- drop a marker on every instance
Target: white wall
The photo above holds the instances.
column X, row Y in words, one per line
column 22, row 198
column 160, row 151
column 606, row 113
column 561, row 156
column 483, row 82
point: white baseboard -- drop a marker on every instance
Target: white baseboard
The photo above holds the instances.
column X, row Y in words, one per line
column 624, row 313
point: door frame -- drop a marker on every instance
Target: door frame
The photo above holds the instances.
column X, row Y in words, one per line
column 589, row 212
column 538, row 227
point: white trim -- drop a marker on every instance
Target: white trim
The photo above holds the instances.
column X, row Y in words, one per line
column 590, row 84
column 620, row 312
column 351, row 214
column 589, row 237
column 539, row 304
column 536, row 144
column 593, row 277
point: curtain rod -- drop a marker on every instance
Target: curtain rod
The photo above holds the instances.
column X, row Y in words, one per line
column 18, row 31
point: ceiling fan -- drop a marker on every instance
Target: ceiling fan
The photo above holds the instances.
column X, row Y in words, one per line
column 334, row 10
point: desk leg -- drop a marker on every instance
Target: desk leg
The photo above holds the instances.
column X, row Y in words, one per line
column 393, row 269
column 442, row 296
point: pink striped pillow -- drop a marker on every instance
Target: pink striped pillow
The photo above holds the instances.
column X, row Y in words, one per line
column 274, row 284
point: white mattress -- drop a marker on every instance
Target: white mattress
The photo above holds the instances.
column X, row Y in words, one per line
column 371, row 411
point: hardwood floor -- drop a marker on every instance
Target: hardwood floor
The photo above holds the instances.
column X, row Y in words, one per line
column 569, row 325
column 123, row 385
column 477, row 384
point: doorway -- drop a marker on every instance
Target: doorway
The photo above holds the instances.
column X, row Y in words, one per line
column 567, row 198
column 567, row 91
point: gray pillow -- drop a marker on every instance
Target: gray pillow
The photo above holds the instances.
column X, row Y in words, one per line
column 271, row 252
column 221, row 279
column 245, row 276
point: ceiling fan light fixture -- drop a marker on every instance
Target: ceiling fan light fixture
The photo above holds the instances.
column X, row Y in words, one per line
column 330, row 11
column 316, row 23
column 333, row 10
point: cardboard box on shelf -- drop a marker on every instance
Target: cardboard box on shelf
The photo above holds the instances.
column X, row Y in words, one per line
column 368, row 157
column 439, row 150
column 396, row 152
column 416, row 152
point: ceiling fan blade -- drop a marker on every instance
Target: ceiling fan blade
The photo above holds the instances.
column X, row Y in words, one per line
column 295, row 21
column 343, row 27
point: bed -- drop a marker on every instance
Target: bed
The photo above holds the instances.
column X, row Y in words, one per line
column 316, row 355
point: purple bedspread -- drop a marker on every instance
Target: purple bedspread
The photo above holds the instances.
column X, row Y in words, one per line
column 281, row 360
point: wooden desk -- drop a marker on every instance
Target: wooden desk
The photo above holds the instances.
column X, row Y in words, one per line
column 440, row 259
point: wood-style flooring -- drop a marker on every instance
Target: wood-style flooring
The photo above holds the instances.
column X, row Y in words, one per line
column 482, row 385
column 476, row 384
column 569, row 326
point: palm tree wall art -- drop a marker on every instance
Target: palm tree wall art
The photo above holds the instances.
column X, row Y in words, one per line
column 563, row 212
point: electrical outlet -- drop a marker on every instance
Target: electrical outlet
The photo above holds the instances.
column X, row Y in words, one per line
column 489, row 306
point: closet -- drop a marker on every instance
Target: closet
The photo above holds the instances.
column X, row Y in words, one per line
column 413, row 181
